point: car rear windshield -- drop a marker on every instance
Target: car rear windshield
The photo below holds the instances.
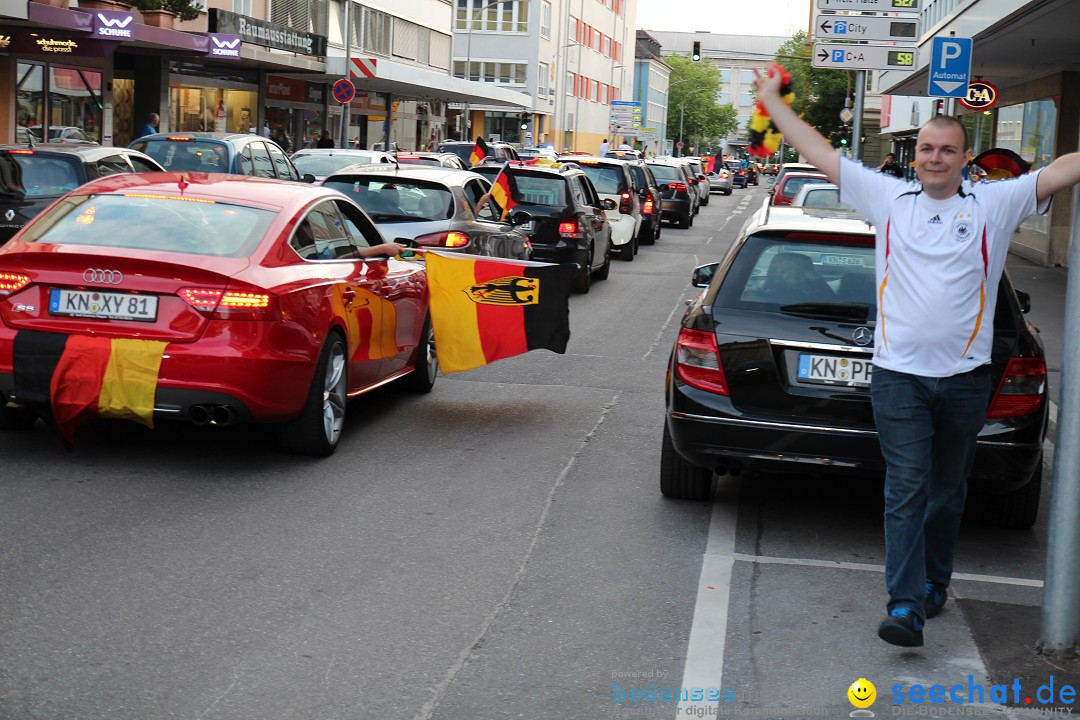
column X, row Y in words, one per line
column 323, row 165
column 29, row 174
column 772, row 271
column 825, row 198
column 396, row 199
column 196, row 155
column 538, row 189
column 607, row 179
column 666, row 173
column 419, row 160
column 463, row 151
column 148, row 222
column 793, row 184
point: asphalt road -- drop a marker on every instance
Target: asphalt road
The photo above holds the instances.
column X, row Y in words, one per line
column 496, row 549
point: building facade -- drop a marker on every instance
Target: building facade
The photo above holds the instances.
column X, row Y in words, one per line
column 572, row 58
column 651, row 79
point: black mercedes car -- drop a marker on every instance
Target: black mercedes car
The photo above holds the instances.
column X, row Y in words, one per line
column 771, row 370
column 564, row 217
column 36, row 175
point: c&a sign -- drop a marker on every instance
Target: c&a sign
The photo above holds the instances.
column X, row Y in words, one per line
column 980, row 96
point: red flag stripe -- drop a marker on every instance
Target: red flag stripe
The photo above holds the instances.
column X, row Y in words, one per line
column 81, row 370
column 501, row 327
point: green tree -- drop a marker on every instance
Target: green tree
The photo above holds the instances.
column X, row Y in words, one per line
column 819, row 92
column 693, row 88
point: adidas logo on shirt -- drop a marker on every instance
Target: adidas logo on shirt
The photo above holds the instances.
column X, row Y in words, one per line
column 936, row 220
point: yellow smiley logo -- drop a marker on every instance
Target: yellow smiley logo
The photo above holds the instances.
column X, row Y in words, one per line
column 862, row 693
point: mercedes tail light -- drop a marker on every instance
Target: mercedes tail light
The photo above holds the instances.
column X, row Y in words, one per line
column 570, row 229
column 231, row 303
column 647, row 208
column 451, row 239
column 626, row 203
column 678, row 187
column 1022, row 389
column 697, row 362
column 12, row 282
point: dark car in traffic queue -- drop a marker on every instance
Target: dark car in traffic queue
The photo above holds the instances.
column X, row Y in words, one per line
column 220, row 152
column 435, row 207
column 677, row 196
column 740, row 176
column 500, row 152
column 565, row 218
column 649, row 196
column 34, row 176
column 772, row 366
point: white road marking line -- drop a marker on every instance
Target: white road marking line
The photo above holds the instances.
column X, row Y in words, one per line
column 705, row 651
column 833, row 564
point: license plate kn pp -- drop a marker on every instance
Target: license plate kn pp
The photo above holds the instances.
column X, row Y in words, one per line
column 105, row 306
column 833, row 370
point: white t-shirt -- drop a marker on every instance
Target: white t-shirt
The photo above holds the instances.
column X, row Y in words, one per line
column 938, row 265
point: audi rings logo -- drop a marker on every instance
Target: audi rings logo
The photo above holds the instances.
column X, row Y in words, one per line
column 862, row 336
column 105, row 277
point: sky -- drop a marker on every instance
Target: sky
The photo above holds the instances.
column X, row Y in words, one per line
column 779, row 18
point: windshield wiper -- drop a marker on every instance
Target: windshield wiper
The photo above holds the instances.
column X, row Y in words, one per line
column 841, row 311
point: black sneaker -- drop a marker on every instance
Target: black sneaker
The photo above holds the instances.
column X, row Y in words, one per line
column 936, row 595
column 902, row 627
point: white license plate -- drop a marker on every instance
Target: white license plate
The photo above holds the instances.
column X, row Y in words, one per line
column 107, row 306
column 528, row 227
column 834, row 370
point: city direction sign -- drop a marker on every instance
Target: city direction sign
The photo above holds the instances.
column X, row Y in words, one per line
column 865, row 27
column 871, row 5
column 863, row 57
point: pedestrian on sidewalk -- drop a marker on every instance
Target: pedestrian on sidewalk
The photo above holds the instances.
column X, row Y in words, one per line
column 891, row 167
column 604, row 147
column 941, row 249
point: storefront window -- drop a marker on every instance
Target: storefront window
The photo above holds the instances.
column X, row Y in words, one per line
column 30, row 98
column 1029, row 129
column 210, row 109
column 280, row 121
column 74, row 105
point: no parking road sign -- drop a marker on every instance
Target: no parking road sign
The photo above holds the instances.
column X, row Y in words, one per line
column 344, row 91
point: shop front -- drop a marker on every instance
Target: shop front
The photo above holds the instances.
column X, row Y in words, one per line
column 212, row 99
column 295, row 111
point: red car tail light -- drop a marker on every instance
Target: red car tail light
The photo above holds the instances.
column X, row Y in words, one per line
column 443, row 239
column 180, row 138
column 677, row 187
column 648, row 207
column 697, row 362
column 1022, row 389
column 230, row 304
column 20, row 152
column 12, row 282
column 570, row 229
column 626, row 204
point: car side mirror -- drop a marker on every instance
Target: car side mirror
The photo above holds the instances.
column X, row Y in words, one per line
column 703, row 275
column 520, row 218
column 1025, row 301
column 308, row 178
column 411, row 243
column 609, row 204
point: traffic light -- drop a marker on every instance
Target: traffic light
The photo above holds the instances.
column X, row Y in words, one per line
column 525, row 119
column 696, row 54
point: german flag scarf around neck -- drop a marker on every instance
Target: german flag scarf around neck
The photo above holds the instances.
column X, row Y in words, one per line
column 67, row 379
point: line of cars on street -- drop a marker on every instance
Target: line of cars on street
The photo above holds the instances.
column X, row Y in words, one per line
column 261, row 273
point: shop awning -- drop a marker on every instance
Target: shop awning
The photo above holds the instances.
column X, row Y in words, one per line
column 408, row 82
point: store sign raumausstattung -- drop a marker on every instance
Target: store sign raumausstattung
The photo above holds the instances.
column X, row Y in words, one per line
column 267, row 34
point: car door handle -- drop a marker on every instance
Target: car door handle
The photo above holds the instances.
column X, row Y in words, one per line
column 349, row 295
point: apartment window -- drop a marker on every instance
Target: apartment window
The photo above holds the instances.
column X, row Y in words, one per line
column 508, row 16
column 545, row 19
column 596, row 90
column 746, row 76
column 542, row 80
column 423, row 54
column 572, row 30
column 439, row 55
column 406, row 39
column 746, row 98
column 242, row 7
column 723, row 97
column 571, row 82
column 725, row 75
column 616, row 55
column 491, row 72
column 376, row 37
column 504, row 72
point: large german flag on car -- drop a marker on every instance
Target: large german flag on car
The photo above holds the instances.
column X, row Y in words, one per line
column 67, row 379
column 479, row 152
column 487, row 309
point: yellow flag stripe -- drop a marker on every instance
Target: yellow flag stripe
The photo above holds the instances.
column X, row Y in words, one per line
column 453, row 314
column 130, row 382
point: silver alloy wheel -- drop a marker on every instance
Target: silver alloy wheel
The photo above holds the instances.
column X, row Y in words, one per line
column 334, row 393
column 432, row 357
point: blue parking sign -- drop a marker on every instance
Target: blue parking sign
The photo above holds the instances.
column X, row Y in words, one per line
column 950, row 67
column 838, row 56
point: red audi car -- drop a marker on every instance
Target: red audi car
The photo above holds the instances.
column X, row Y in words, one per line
column 254, row 287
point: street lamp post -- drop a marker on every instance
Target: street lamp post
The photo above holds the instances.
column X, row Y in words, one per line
column 682, row 109
column 465, row 125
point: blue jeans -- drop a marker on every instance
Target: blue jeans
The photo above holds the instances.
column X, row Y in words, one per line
column 927, row 428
